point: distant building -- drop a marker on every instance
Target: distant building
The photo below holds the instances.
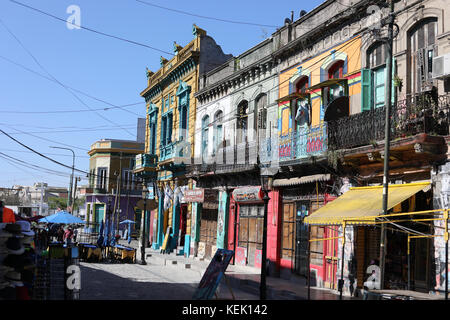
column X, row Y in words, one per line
column 112, row 184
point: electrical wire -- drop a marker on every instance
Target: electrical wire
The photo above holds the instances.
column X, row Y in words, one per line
column 205, row 17
column 61, row 84
column 90, row 29
column 45, row 139
column 76, row 90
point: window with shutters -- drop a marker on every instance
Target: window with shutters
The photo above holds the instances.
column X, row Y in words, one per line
column 242, row 121
column 205, row 134
column 373, row 78
column 261, row 107
column 102, row 177
column 422, row 49
column 218, row 131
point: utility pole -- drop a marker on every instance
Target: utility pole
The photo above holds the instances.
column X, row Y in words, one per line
column 74, row 197
column 387, row 135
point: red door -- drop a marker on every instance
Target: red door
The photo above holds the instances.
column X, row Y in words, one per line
column 183, row 213
column 331, row 256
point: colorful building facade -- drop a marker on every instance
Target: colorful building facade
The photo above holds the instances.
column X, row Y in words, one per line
column 171, row 117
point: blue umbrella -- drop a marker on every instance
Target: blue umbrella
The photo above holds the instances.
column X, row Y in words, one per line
column 129, row 222
column 63, row 217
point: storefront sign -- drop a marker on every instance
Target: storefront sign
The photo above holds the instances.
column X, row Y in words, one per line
column 194, row 195
column 248, row 194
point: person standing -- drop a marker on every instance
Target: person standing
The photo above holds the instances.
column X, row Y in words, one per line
column 6, row 214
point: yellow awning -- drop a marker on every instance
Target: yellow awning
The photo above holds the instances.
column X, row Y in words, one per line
column 361, row 205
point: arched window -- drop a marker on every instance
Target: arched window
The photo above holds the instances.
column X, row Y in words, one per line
column 302, row 105
column 421, row 51
column 336, row 71
column 205, row 133
column 261, row 109
column 242, row 121
column 218, row 131
column 334, row 91
column 374, row 77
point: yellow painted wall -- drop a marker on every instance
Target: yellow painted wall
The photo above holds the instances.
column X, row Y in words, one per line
column 311, row 67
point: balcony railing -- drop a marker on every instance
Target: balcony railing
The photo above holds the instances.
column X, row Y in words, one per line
column 166, row 152
column 304, row 143
column 415, row 115
column 145, row 160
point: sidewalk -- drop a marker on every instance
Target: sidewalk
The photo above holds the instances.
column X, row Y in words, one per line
column 244, row 278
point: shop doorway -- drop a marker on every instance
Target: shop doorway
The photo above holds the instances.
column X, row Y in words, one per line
column 301, row 240
column 208, row 230
column 251, row 220
column 99, row 215
column 288, row 232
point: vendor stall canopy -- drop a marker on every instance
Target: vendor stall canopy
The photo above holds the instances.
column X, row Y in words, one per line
column 361, row 205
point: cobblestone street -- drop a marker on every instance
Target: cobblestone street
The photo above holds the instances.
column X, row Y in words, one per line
column 135, row 282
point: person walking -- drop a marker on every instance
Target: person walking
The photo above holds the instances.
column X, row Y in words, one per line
column 60, row 234
column 68, row 234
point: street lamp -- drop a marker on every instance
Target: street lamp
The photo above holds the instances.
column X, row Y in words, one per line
column 265, row 186
column 144, row 195
column 69, row 199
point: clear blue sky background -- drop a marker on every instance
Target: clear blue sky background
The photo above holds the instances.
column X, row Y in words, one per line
column 102, row 67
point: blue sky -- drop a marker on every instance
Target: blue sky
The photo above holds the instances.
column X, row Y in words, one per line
column 42, row 62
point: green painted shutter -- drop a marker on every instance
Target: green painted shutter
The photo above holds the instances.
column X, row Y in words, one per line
column 394, row 71
column 366, row 89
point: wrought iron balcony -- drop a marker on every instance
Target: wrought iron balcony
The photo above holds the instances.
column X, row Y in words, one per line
column 301, row 144
column 409, row 117
column 145, row 161
column 166, row 152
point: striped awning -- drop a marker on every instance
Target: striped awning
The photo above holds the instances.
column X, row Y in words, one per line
column 362, row 205
column 301, row 180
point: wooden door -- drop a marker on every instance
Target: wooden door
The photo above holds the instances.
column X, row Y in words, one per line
column 288, row 232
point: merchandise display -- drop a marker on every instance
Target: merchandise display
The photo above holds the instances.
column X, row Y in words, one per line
column 17, row 261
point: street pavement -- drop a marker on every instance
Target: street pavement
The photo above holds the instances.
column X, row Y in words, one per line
column 174, row 277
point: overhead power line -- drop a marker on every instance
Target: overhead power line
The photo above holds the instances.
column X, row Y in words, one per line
column 90, row 29
column 56, row 80
column 77, row 90
column 205, row 17
column 49, row 140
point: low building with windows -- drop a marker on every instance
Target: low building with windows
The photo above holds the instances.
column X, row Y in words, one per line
column 114, row 189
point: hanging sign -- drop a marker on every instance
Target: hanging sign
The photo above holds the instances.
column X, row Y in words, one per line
column 194, row 195
column 248, row 194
